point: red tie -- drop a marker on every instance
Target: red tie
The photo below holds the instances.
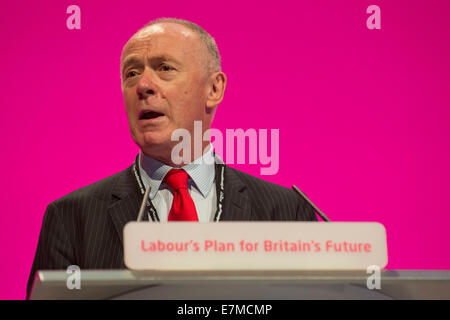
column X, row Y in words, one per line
column 183, row 207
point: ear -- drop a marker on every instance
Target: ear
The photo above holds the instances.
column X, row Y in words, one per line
column 216, row 88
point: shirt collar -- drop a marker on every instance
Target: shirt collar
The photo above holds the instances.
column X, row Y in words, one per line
column 201, row 172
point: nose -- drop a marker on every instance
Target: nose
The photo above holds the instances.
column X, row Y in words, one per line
column 145, row 86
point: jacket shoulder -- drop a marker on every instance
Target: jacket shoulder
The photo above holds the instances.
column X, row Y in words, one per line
column 256, row 184
column 272, row 201
column 100, row 190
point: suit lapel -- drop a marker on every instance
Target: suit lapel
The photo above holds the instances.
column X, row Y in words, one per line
column 237, row 205
column 126, row 201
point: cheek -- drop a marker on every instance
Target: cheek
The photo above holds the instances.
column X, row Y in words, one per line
column 126, row 97
column 129, row 102
column 187, row 106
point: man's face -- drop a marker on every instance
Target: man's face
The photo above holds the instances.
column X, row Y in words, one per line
column 164, row 84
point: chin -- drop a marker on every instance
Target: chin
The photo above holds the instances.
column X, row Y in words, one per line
column 154, row 143
column 155, row 138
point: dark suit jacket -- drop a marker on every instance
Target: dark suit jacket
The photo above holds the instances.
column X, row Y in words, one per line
column 84, row 228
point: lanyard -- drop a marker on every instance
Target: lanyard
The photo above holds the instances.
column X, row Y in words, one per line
column 219, row 180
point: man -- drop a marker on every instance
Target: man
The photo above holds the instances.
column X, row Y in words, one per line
column 171, row 76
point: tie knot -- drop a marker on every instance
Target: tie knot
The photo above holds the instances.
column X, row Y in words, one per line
column 176, row 179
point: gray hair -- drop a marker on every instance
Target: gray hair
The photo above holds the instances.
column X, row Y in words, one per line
column 205, row 37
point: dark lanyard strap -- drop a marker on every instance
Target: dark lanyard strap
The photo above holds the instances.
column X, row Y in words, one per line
column 220, row 188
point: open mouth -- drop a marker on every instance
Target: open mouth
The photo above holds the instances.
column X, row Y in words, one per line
column 149, row 115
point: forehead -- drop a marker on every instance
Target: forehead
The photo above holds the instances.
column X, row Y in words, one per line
column 163, row 39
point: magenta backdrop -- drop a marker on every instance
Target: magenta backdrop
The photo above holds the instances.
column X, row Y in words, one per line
column 363, row 114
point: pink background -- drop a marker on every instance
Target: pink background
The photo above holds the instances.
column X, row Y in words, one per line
column 363, row 114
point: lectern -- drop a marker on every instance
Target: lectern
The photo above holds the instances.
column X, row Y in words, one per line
column 287, row 285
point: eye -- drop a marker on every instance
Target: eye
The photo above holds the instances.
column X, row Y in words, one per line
column 165, row 68
column 130, row 74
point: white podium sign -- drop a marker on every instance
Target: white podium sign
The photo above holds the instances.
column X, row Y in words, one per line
column 254, row 246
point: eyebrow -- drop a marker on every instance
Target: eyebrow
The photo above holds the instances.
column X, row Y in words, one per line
column 134, row 59
column 129, row 61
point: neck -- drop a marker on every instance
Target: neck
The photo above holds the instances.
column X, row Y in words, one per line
column 180, row 155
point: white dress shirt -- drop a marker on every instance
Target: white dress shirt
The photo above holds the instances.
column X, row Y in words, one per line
column 201, row 185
